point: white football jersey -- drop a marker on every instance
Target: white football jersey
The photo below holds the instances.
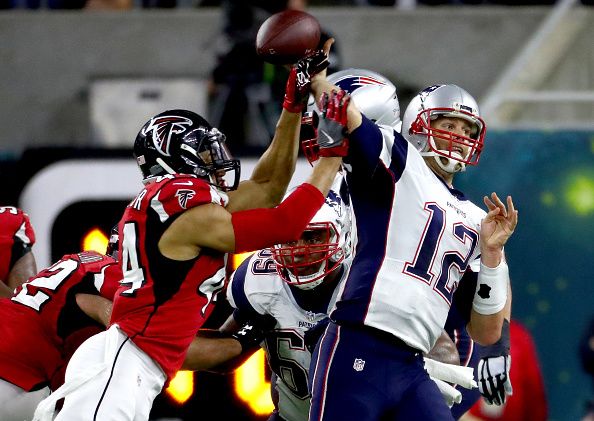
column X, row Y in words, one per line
column 415, row 238
column 256, row 287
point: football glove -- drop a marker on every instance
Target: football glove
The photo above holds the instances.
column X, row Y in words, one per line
column 253, row 332
column 299, row 82
column 493, row 379
column 332, row 138
column 493, row 369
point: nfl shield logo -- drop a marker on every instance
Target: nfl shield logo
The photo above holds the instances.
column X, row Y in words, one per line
column 359, row 364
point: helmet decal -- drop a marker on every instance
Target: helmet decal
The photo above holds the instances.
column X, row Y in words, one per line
column 351, row 83
column 183, row 142
column 335, row 202
column 163, row 128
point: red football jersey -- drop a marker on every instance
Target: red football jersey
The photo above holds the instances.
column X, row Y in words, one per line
column 162, row 302
column 16, row 235
column 41, row 321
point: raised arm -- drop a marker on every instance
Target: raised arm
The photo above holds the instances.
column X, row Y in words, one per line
column 272, row 174
column 212, row 226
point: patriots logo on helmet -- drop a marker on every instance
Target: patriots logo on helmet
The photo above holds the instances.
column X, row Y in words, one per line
column 333, row 200
column 351, row 83
column 425, row 92
column 163, row 128
column 183, row 196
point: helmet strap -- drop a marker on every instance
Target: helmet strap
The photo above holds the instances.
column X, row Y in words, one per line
column 447, row 164
column 165, row 166
column 306, row 282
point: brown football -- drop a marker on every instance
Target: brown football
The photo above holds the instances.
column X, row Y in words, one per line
column 287, row 36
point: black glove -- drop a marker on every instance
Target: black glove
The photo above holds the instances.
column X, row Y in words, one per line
column 493, row 369
column 313, row 334
column 253, row 332
column 332, row 126
column 298, row 84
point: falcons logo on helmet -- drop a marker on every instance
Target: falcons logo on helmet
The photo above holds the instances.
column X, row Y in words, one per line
column 163, row 128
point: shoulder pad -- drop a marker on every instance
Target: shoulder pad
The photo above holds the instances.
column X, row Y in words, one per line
column 180, row 193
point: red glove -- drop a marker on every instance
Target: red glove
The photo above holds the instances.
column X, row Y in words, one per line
column 297, row 90
column 332, row 138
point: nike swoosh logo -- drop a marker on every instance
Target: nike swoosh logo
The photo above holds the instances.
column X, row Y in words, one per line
column 183, row 183
column 330, row 140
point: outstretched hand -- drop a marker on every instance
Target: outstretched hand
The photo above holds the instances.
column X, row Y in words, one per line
column 326, row 50
column 499, row 224
column 299, row 82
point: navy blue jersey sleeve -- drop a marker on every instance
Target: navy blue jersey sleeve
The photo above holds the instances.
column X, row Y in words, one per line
column 366, row 145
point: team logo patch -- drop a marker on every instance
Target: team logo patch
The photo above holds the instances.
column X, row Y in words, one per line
column 163, row 128
column 358, row 364
column 183, row 196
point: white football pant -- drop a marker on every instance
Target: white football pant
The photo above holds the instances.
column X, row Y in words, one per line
column 108, row 378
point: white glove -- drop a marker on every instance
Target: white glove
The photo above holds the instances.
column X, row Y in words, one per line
column 493, row 376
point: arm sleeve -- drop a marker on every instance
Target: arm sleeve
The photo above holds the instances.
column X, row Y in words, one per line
column 376, row 147
column 259, row 228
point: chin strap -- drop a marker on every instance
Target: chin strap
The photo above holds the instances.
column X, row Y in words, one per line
column 304, row 282
column 449, row 165
column 165, row 166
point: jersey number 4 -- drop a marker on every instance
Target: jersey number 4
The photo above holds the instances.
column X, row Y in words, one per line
column 134, row 276
column 422, row 264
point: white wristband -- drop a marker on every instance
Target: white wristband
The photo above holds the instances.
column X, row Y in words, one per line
column 491, row 289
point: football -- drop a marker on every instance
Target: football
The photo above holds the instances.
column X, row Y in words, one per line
column 287, row 36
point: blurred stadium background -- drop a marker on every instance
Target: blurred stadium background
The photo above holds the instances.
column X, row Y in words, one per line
column 77, row 84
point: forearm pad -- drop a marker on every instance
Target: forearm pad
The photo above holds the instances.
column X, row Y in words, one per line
column 256, row 229
column 491, row 289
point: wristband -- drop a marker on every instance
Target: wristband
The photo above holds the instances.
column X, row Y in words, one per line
column 491, row 289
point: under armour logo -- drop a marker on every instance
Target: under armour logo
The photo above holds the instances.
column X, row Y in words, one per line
column 244, row 330
column 484, row 291
column 358, row 364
